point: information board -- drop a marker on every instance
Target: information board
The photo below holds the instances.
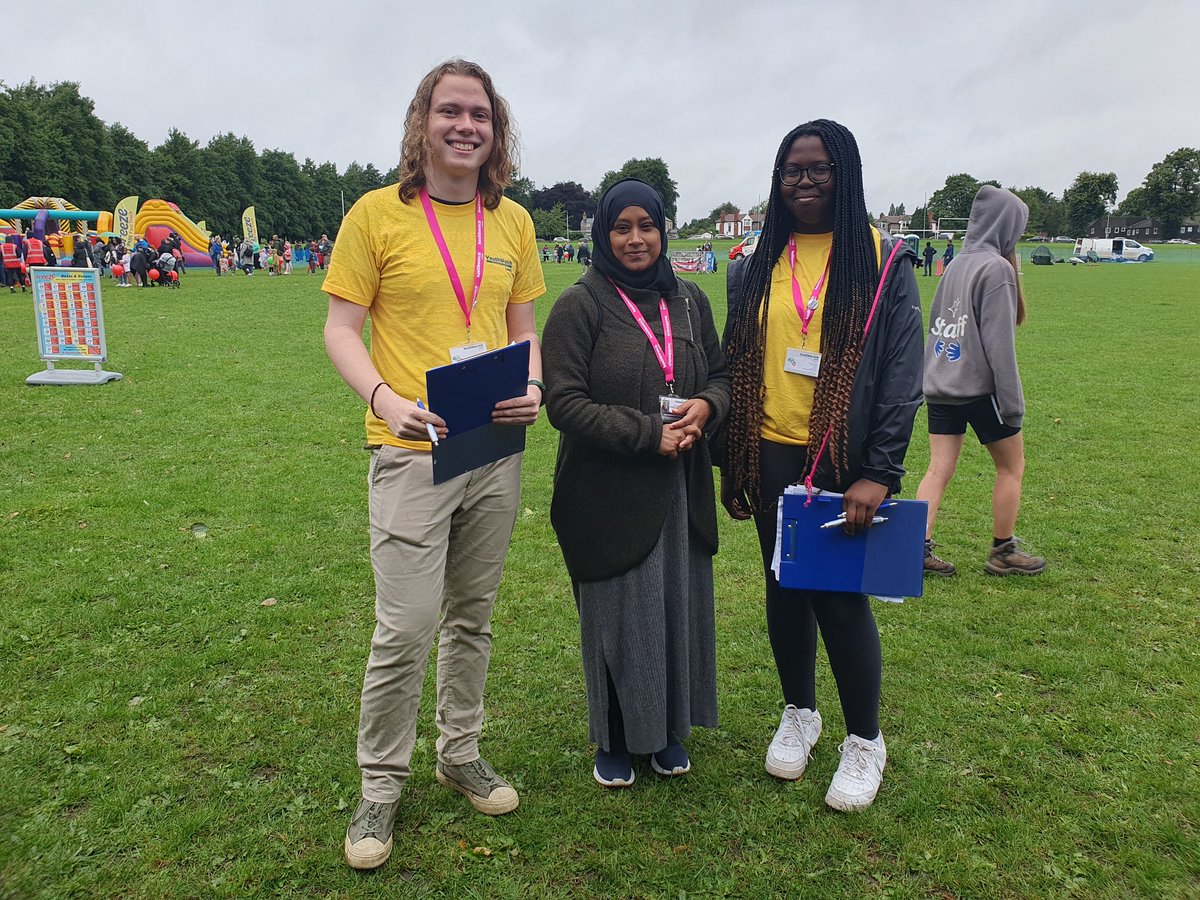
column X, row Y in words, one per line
column 70, row 324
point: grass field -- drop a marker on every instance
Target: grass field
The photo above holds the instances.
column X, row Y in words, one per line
column 177, row 713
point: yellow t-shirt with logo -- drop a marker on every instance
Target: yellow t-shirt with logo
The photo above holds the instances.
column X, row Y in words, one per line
column 787, row 396
column 387, row 260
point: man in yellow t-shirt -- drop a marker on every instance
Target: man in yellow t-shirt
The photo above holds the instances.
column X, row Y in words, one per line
column 446, row 267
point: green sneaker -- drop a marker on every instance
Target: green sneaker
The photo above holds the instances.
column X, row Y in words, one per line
column 487, row 791
column 369, row 837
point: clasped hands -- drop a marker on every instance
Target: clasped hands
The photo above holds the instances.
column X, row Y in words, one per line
column 681, row 436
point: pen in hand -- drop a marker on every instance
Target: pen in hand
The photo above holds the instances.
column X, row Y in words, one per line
column 428, row 425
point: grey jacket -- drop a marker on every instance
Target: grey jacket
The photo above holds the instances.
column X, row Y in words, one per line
column 970, row 350
column 612, row 490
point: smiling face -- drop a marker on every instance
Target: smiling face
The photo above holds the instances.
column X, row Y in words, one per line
column 811, row 205
column 635, row 239
column 459, row 131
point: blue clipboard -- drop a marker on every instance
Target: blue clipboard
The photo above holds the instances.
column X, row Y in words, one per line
column 886, row 560
column 464, row 394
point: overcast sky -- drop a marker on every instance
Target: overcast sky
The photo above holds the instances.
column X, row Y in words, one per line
column 1029, row 93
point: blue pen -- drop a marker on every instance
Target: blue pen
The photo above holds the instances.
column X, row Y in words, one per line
column 428, row 425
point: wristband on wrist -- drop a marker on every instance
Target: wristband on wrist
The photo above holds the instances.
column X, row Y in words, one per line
column 371, row 402
column 541, row 387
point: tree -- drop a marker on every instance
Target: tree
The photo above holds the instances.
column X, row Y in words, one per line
column 1172, row 189
column 1134, row 204
column 1046, row 215
column 953, row 199
column 521, row 191
column 653, row 172
column 570, row 195
column 176, row 165
column 1087, row 199
column 549, row 223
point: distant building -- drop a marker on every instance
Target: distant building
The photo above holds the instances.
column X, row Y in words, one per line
column 895, row 224
column 1137, row 227
column 738, row 224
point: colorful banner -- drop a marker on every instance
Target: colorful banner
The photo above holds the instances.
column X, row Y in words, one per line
column 250, row 225
column 685, row 261
column 123, row 217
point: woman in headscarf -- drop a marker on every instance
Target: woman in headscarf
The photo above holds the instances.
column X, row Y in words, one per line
column 635, row 377
column 825, row 387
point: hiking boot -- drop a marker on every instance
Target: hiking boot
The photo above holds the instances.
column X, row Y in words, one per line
column 787, row 757
column 478, row 781
column 858, row 775
column 369, row 837
column 671, row 760
column 613, row 769
column 1009, row 559
column 934, row 565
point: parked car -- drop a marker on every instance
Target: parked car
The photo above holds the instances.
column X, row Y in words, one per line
column 746, row 247
column 1182, row 241
column 1063, row 239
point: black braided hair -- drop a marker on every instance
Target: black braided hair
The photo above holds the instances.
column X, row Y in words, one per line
column 853, row 271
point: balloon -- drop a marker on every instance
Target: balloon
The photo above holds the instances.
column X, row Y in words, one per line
column 153, row 273
column 174, row 276
column 118, row 270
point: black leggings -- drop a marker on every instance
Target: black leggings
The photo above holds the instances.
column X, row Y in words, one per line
column 846, row 621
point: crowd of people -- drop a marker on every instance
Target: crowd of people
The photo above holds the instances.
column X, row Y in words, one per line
column 275, row 256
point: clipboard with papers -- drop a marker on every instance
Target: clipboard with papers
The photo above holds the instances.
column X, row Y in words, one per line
column 464, row 394
column 813, row 551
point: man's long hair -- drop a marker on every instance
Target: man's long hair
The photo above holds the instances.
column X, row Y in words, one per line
column 853, row 271
column 496, row 173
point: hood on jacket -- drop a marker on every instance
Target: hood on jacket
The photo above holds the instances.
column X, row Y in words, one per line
column 997, row 220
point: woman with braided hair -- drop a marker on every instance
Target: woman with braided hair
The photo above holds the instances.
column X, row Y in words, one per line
column 825, row 384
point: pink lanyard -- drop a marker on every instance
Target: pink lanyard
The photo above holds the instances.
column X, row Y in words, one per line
column 806, row 310
column 665, row 359
column 451, row 270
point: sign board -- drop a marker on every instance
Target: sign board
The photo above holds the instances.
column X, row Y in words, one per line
column 69, row 313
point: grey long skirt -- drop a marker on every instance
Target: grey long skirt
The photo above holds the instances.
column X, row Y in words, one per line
column 652, row 632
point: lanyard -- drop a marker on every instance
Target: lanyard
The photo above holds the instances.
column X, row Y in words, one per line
column 451, row 270
column 666, row 358
column 809, row 309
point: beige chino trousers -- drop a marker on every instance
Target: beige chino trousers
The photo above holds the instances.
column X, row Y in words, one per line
column 438, row 554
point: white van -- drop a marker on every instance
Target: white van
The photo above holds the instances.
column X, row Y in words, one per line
column 1113, row 248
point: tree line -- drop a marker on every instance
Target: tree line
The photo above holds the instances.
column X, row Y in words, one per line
column 1169, row 193
column 53, row 144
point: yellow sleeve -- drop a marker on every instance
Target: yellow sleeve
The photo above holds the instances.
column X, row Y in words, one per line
column 529, row 283
column 354, row 267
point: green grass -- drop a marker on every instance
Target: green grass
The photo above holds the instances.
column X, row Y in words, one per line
column 165, row 734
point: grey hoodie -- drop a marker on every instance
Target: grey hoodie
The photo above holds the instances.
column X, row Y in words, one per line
column 971, row 352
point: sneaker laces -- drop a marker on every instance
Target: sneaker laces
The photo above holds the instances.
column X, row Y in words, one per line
column 793, row 735
column 856, row 758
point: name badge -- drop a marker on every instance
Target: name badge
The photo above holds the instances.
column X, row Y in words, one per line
column 466, row 351
column 802, row 362
column 668, row 406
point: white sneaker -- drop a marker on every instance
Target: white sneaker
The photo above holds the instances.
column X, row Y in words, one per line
column 787, row 757
column 858, row 775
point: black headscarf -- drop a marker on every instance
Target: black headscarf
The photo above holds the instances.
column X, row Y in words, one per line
column 625, row 193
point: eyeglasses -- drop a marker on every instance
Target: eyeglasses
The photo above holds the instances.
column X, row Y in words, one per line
column 818, row 173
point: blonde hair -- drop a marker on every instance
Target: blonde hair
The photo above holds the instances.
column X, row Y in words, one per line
column 1012, row 261
column 497, row 171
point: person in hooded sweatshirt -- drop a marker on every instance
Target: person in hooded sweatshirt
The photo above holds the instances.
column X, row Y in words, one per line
column 971, row 375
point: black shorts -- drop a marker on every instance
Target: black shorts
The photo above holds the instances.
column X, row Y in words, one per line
column 981, row 413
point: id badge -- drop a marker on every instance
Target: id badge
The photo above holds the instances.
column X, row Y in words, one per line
column 668, row 406
column 802, row 362
column 466, row 351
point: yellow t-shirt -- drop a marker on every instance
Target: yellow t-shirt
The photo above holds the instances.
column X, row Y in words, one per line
column 387, row 260
column 787, row 396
